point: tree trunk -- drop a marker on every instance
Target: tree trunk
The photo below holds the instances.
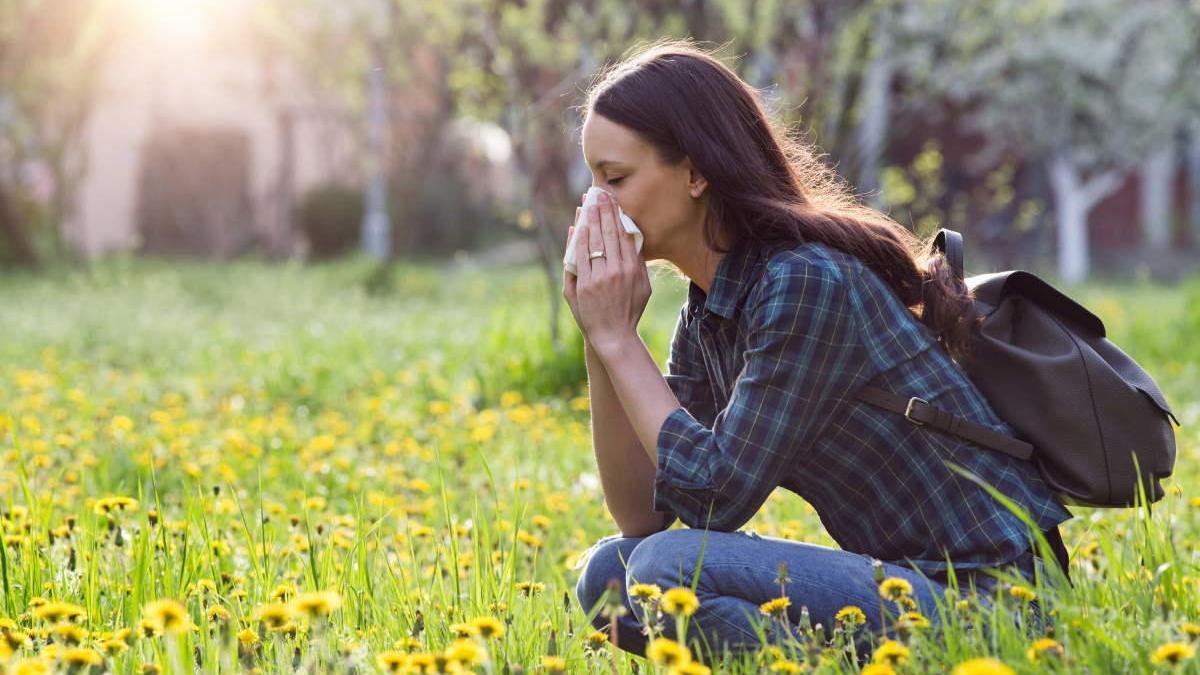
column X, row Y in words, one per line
column 872, row 129
column 1193, row 163
column 280, row 239
column 1157, row 174
column 20, row 249
column 1073, row 200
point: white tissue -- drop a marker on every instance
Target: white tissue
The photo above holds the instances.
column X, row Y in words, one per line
column 593, row 194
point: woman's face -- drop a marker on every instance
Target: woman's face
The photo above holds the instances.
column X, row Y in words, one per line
column 665, row 201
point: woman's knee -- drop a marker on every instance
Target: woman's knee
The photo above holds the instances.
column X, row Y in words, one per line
column 600, row 563
column 666, row 558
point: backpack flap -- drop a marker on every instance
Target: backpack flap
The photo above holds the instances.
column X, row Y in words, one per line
column 992, row 288
column 1047, row 369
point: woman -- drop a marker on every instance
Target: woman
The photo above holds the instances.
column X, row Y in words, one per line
column 797, row 297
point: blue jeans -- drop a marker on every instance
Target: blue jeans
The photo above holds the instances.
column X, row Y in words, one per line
column 738, row 573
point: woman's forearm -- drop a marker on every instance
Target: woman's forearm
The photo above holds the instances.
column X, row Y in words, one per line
column 626, row 472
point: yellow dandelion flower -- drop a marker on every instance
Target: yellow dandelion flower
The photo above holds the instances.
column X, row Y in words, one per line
column 488, row 627
column 691, row 668
column 79, row 657
column 912, row 620
column 148, row 629
column 274, row 614
column 114, row 646
column 392, row 661
column 667, row 652
column 554, row 664
column 597, row 638
column 203, row 587
column 878, row 669
column 894, row 588
column 34, row 666
column 1190, row 629
column 283, row 592
column 247, row 637
column 1022, row 593
column 408, row 642
column 53, row 612
column 1041, row 647
column 318, row 604
column 982, row 666
column 424, row 662
column 891, row 652
column 775, row 606
column 290, row 629
column 851, row 615
column 12, row 639
column 530, row 587
column 1172, row 653
column 529, row 539
column 168, row 615
column 466, row 651
column 107, row 506
column 679, row 601
column 218, row 613
column 645, row 592
column 70, row 633
column 464, row 630
column 120, row 424
column 785, row 666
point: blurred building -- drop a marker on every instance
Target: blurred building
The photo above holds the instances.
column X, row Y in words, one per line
column 202, row 138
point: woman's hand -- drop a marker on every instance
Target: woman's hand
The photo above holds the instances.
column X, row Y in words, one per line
column 608, row 294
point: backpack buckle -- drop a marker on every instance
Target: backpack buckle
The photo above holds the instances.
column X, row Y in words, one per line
column 908, row 410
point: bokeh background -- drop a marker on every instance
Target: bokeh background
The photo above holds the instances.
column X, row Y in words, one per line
column 1059, row 135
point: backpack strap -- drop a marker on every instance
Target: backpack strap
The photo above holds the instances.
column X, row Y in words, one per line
column 950, row 244
column 1054, row 538
column 921, row 412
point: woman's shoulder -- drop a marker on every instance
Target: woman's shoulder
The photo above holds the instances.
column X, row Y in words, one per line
column 810, row 258
column 820, row 276
column 796, row 279
column 807, row 268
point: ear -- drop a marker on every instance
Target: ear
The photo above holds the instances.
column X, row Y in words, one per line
column 696, row 182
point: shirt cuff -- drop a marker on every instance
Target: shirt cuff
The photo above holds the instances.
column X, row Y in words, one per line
column 678, row 484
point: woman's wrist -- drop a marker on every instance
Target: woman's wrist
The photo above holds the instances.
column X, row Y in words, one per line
column 591, row 356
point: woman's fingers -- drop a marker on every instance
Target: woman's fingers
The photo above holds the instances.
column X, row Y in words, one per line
column 595, row 241
column 582, row 266
column 609, row 228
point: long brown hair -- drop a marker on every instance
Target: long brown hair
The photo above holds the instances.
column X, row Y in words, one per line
column 766, row 183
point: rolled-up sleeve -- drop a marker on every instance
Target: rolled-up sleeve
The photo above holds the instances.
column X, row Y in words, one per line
column 688, row 378
column 803, row 359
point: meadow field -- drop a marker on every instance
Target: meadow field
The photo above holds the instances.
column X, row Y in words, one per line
column 335, row 469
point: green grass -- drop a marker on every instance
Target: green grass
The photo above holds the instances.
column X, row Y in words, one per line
column 413, row 441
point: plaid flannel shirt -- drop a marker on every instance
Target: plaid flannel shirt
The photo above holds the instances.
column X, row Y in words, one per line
column 765, row 366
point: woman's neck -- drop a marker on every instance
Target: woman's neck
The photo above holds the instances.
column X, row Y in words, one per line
column 698, row 263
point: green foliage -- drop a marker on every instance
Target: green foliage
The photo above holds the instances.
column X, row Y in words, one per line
column 330, row 216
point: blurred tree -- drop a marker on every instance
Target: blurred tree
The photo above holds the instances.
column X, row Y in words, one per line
column 1090, row 87
column 522, row 65
column 51, row 52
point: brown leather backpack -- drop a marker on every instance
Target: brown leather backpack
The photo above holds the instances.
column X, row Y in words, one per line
column 1085, row 413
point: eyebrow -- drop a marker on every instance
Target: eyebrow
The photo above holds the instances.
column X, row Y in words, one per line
column 602, row 163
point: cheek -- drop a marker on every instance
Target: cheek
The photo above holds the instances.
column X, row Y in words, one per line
column 641, row 205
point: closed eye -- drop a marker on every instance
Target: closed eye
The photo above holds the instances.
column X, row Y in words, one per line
column 614, row 181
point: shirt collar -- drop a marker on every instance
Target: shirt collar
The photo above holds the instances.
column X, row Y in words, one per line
column 734, row 277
